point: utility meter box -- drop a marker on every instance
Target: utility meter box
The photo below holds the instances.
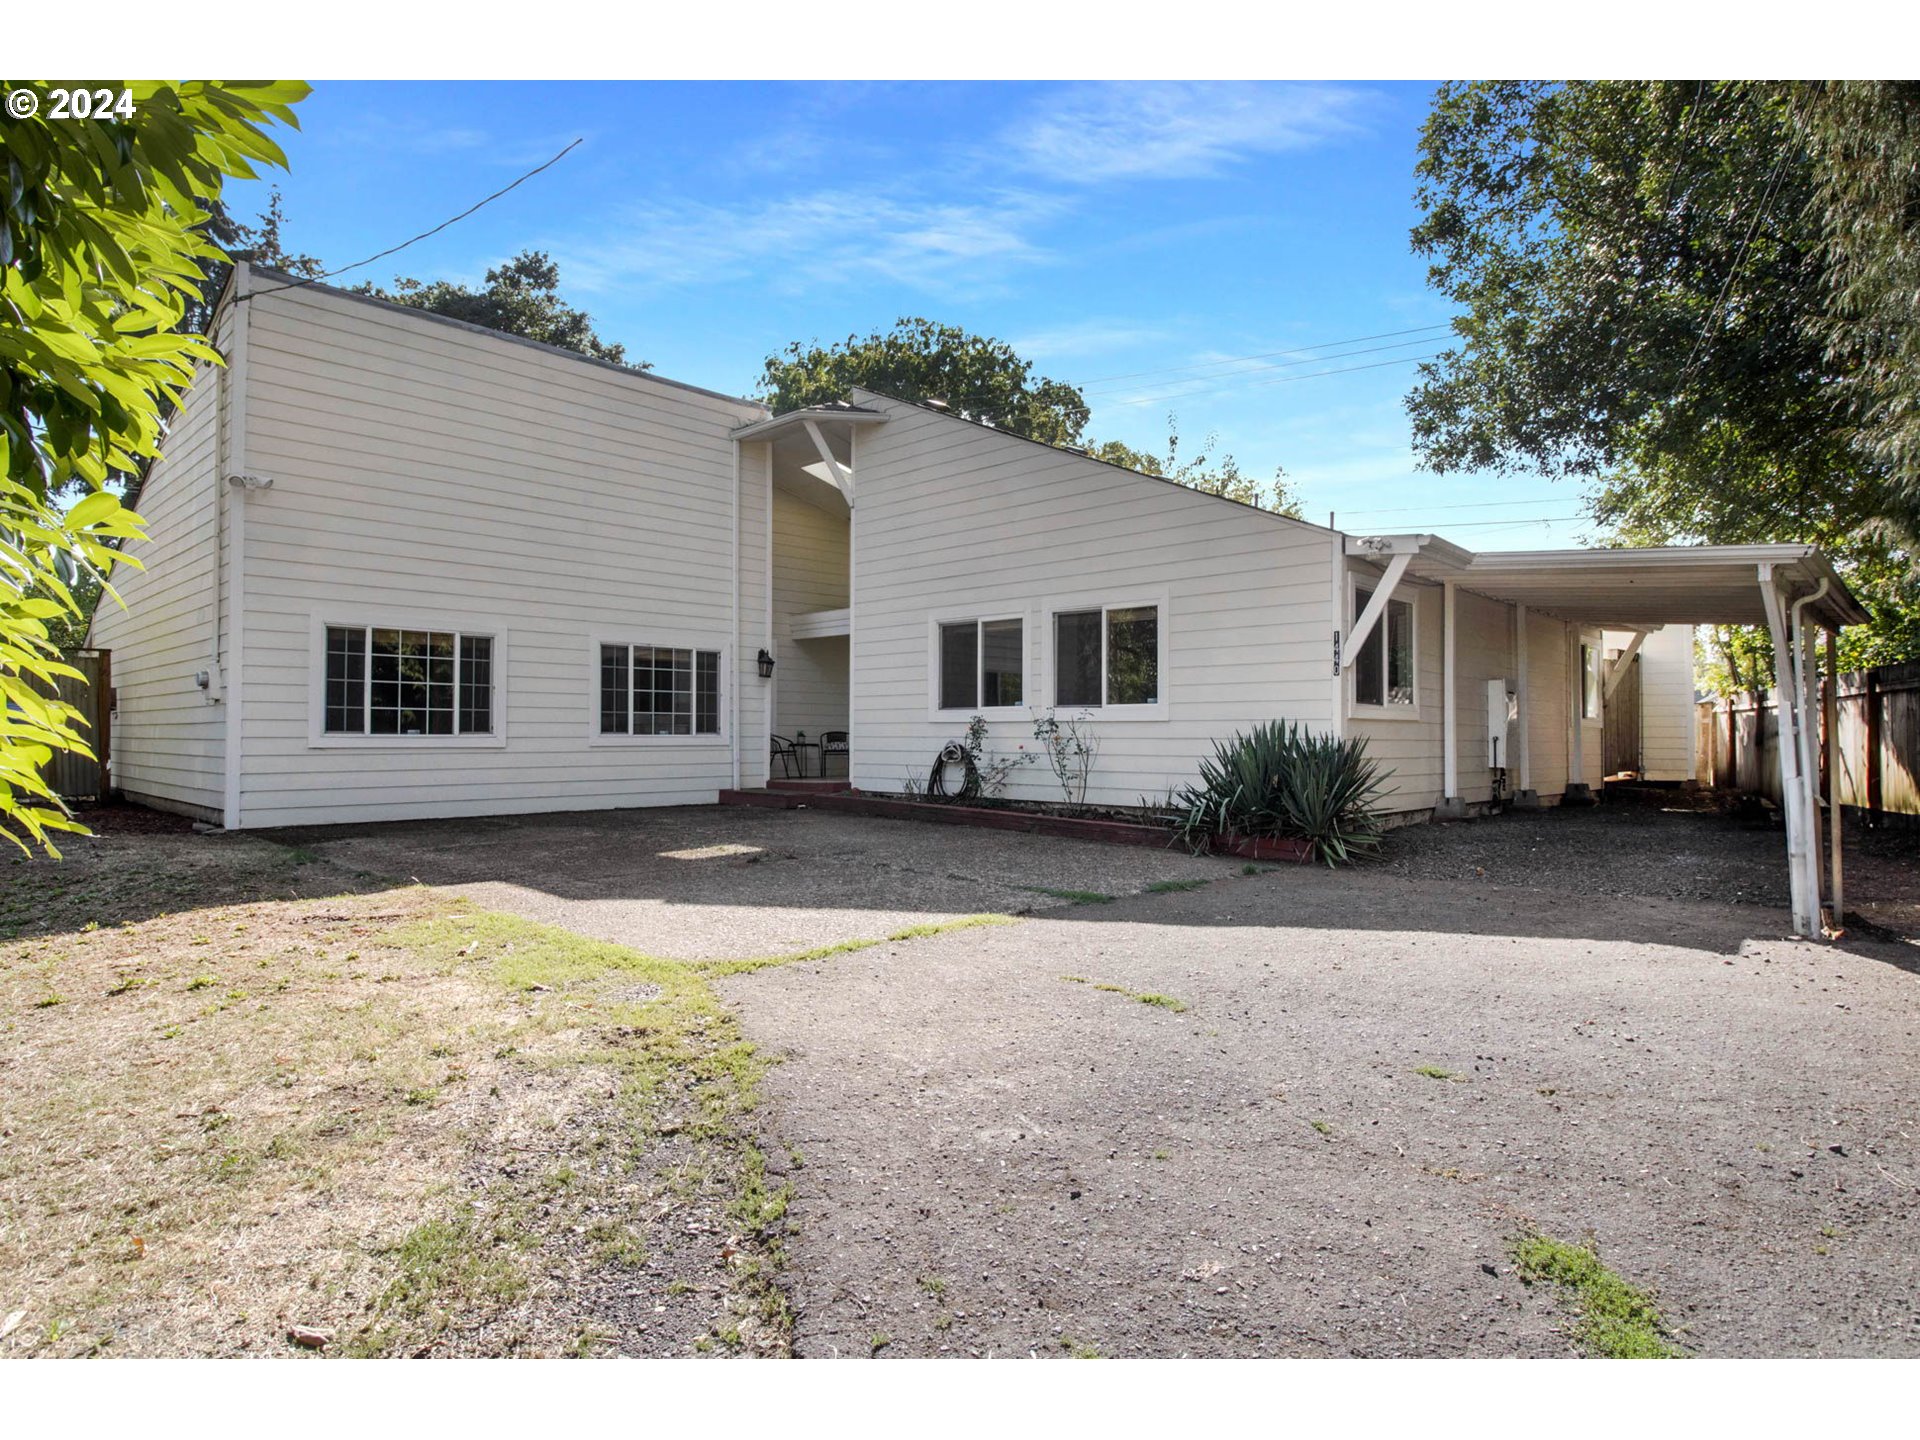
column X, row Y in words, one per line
column 1503, row 712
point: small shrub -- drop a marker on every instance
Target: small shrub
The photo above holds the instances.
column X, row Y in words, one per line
column 1280, row 780
column 1071, row 748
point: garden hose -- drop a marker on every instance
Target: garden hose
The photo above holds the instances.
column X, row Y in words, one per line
column 952, row 753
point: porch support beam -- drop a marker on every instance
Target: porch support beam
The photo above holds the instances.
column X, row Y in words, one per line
column 1451, row 806
column 842, row 474
column 1369, row 617
column 1617, row 671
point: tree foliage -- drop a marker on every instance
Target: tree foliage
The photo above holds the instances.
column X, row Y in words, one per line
column 101, row 253
column 1215, row 474
column 975, row 377
column 1698, row 296
column 521, row 297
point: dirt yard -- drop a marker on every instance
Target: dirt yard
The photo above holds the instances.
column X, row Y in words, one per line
column 712, row 1082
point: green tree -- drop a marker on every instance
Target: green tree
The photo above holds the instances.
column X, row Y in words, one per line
column 1649, row 290
column 1216, row 475
column 101, row 253
column 522, row 297
column 975, row 377
column 259, row 243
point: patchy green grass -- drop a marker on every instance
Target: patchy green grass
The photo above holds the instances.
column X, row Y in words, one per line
column 1174, row 887
column 1617, row 1321
column 1321, row 1127
column 1434, row 1072
column 449, row 1268
column 1079, row 1349
column 1148, row 997
column 848, row 947
column 1077, row 897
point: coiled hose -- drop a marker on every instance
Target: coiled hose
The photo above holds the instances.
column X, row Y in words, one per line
column 953, row 753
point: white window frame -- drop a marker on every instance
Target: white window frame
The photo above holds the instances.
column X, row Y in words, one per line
column 663, row 640
column 1593, row 666
column 977, row 619
column 1406, row 594
column 476, row 626
column 1158, row 710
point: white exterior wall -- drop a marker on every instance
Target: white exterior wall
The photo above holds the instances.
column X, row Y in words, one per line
column 426, row 474
column 168, row 734
column 810, row 572
column 1666, row 700
column 1411, row 742
column 957, row 521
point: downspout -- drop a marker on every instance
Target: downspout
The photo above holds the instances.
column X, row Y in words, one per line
column 233, row 677
column 1809, row 736
column 853, row 595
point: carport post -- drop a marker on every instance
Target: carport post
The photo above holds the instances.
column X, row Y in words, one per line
column 1451, row 806
column 1523, row 751
column 1832, row 709
column 1806, row 902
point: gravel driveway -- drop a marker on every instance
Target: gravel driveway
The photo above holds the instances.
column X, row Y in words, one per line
column 997, row 1158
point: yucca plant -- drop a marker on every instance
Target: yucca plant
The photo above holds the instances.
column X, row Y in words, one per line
column 1282, row 780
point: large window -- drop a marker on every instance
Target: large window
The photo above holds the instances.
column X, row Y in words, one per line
column 1590, row 682
column 382, row 681
column 982, row 664
column 659, row 690
column 1383, row 670
column 1109, row 656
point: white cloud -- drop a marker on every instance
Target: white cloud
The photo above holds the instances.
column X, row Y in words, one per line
column 1091, row 133
column 823, row 238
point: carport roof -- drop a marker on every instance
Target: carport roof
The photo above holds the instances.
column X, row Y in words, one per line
column 1635, row 588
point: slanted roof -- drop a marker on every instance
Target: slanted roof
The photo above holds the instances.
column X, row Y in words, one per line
column 1636, row 588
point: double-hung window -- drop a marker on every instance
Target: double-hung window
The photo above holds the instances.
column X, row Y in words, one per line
column 659, row 690
column 982, row 664
column 388, row 681
column 1107, row 656
column 1383, row 670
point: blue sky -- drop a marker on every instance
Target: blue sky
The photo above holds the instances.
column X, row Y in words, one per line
column 1138, row 241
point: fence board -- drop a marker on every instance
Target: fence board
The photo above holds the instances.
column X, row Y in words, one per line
column 1876, row 729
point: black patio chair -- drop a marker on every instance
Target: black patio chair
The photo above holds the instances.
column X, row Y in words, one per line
column 783, row 751
column 834, row 742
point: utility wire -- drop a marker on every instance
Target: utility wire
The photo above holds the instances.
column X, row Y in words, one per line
column 1289, row 379
column 1425, row 509
column 1206, row 382
column 1268, row 354
column 424, row 234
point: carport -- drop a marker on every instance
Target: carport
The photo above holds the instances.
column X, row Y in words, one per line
column 1792, row 590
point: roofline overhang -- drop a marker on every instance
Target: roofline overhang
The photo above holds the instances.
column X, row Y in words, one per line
column 795, row 419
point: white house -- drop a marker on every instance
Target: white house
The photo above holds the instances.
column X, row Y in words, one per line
column 402, row 567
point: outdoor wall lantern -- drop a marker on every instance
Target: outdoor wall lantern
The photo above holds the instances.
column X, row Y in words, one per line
column 766, row 666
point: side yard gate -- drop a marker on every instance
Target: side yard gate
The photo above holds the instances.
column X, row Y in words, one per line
column 74, row 776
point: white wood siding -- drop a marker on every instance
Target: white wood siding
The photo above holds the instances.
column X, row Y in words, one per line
column 167, row 742
column 428, row 474
column 957, row 520
column 1411, row 745
column 1666, row 700
column 810, row 572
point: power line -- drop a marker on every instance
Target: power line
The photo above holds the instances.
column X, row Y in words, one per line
column 1203, row 380
column 1425, row 509
column 1268, row 354
column 424, row 234
column 1289, row 379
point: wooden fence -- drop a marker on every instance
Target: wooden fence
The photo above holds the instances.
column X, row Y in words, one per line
column 1877, row 728
column 72, row 775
